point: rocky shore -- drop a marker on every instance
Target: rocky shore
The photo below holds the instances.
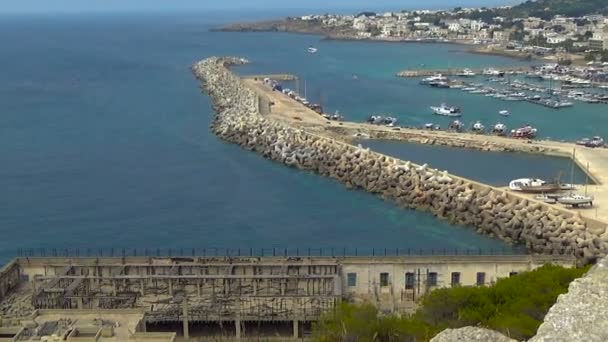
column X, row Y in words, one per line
column 491, row 211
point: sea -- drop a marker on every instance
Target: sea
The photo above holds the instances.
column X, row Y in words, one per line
column 105, row 141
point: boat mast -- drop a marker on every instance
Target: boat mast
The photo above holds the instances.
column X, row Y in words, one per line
column 305, row 88
column 572, row 167
column 586, row 178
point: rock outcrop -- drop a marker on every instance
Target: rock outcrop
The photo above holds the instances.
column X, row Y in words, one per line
column 470, row 334
column 581, row 314
column 491, row 211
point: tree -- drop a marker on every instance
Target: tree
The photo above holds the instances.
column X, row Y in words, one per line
column 515, row 306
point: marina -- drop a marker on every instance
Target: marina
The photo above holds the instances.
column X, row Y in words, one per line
column 591, row 160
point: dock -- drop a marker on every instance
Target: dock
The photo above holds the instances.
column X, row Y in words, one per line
column 276, row 77
column 455, row 71
column 593, row 161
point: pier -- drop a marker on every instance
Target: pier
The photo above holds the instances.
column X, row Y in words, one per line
column 276, row 77
column 456, row 71
column 593, row 161
column 232, row 296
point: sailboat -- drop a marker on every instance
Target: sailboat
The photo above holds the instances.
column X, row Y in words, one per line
column 573, row 199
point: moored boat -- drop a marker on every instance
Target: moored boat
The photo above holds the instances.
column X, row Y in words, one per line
column 504, row 113
column 446, row 110
column 478, row 127
column 576, row 200
column 526, row 132
column 499, row 129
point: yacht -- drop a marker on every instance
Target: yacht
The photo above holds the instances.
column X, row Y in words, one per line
column 526, row 132
column 499, row 129
column 576, row 200
column 446, row 110
column 478, row 127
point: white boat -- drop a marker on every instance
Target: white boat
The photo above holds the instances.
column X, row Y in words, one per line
column 526, row 132
column 456, row 125
column 312, row 50
column 518, row 184
column 504, row 113
column 434, row 79
column 576, row 200
column 593, row 142
column 500, row 129
column 493, row 72
column 545, row 198
column 446, row 110
column 466, row 73
column 478, row 127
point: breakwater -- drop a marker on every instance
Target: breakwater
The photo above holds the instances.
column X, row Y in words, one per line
column 509, row 217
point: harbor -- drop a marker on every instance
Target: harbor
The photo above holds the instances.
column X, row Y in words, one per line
column 460, row 72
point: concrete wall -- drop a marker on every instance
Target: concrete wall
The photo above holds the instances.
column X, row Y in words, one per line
column 368, row 273
column 9, row 278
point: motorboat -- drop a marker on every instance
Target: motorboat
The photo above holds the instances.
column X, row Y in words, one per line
column 533, row 185
column 434, row 79
column 593, row 142
column 499, row 129
column 469, row 89
column 466, row 73
column 504, row 113
column 576, row 200
column 456, row 125
column 517, row 184
column 526, row 132
column 493, row 72
column 478, row 127
column 439, row 84
column 446, row 110
column 312, row 50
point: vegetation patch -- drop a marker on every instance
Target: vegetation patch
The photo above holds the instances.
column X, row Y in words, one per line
column 514, row 306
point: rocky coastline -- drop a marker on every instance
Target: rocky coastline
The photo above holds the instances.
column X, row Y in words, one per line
column 491, row 211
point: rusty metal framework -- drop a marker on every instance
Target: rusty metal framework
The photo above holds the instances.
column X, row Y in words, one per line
column 224, row 289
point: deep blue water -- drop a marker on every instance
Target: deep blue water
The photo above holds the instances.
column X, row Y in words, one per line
column 104, row 139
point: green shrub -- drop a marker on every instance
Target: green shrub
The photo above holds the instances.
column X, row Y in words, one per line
column 514, row 306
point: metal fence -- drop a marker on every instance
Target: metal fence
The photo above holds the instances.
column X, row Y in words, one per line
column 261, row 252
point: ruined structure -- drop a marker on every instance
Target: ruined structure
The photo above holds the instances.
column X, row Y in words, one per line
column 237, row 294
column 492, row 211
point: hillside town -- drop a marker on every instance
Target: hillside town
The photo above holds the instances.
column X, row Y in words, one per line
column 585, row 36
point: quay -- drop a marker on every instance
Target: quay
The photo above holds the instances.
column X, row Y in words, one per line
column 594, row 162
column 456, row 71
column 175, row 298
column 276, row 77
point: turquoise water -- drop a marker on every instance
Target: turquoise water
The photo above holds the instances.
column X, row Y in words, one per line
column 494, row 168
column 104, row 139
